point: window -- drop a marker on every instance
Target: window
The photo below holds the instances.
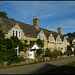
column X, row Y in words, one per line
column 65, row 48
column 73, row 42
column 41, row 36
column 13, row 33
column 19, row 33
column 30, row 54
column 65, row 40
column 16, row 33
column 58, row 39
column 51, row 39
column 59, row 48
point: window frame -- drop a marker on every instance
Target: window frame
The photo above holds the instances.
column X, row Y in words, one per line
column 58, row 39
column 16, row 33
column 65, row 41
column 41, row 37
column 51, row 39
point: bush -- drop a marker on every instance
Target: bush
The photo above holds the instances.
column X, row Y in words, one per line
column 69, row 53
column 48, row 53
column 8, row 55
column 39, row 51
column 56, row 53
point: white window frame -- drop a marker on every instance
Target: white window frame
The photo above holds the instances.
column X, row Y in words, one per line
column 64, row 40
column 58, row 39
column 41, row 36
column 51, row 39
column 17, row 32
column 65, row 48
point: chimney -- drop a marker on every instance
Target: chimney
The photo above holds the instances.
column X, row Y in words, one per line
column 36, row 22
column 59, row 30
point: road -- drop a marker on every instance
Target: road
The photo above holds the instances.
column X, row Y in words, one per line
column 37, row 68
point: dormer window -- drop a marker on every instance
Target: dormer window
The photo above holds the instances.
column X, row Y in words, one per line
column 19, row 34
column 16, row 32
column 51, row 38
column 65, row 40
column 13, row 33
column 41, row 36
column 58, row 39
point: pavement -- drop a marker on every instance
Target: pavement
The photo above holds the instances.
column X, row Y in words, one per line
column 37, row 68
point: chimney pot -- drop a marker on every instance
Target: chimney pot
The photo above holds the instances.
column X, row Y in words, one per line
column 34, row 17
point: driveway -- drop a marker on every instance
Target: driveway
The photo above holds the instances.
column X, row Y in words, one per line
column 37, row 68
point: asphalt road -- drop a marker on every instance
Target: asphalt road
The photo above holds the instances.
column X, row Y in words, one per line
column 37, row 68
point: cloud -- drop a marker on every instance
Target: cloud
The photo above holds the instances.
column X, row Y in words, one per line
column 68, row 23
column 41, row 9
column 52, row 13
column 51, row 29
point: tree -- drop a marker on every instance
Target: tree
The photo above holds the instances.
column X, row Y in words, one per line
column 1, row 35
column 70, row 35
column 3, row 14
column 17, row 43
column 39, row 51
column 9, row 43
column 40, row 43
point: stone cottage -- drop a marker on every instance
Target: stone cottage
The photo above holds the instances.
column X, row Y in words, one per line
column 52, row 40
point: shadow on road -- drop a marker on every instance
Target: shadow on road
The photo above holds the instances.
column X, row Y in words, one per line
column 45, row 68
column 52, row 69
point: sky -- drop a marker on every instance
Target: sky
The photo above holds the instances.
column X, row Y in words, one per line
column 51, row 14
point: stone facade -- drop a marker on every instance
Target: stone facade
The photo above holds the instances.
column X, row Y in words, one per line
column 49, row 42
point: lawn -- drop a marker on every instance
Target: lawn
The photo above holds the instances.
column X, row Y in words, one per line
column 65, row 69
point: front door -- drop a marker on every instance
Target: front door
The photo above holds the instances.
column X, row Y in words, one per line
column 31, row 54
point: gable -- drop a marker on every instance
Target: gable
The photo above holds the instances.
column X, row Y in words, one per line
column 52, row 38
column 41, row 33
column 59, row 38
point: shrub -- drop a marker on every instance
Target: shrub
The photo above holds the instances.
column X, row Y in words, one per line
column 8, row 55
column 56, row 53
column 48, row 53
column 39, row 51
column 69, row 53
column 40, row 43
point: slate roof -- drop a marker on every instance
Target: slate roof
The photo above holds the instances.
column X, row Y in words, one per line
column 28, row 29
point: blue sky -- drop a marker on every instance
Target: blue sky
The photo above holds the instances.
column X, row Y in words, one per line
column 51, row 14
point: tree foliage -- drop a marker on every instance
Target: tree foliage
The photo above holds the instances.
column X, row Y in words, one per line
column 3, row 14
column 53, row 54
column 48, row 53
column 40, row 43
column 7, row 48
column 39, row 51
column 70, row 35
column 56, row 53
